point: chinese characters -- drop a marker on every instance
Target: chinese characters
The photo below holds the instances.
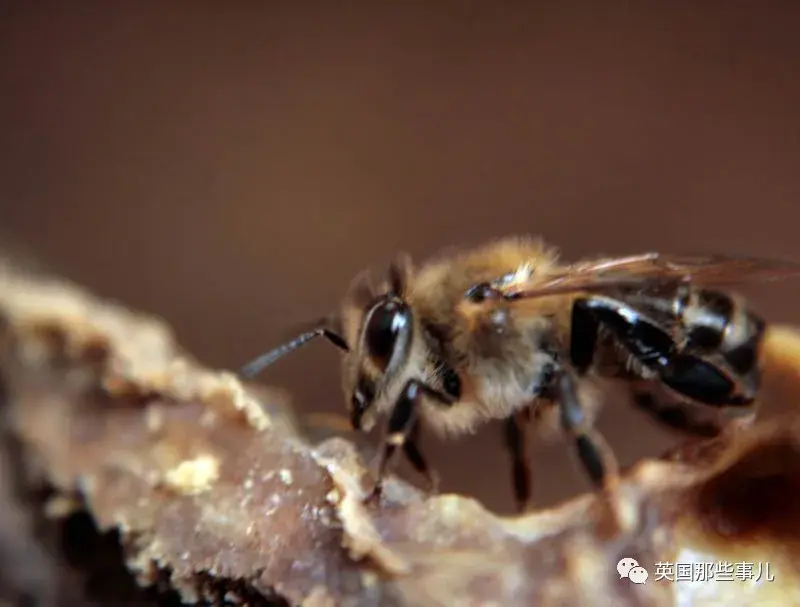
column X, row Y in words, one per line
column 712, row 572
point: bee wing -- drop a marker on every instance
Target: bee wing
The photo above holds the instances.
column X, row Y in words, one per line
column 649, row 269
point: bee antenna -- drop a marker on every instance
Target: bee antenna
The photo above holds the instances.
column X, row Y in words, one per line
column 255, row 366
column 399, row 272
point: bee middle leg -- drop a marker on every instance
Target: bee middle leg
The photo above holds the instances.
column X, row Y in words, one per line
column 593, row 451
column 418, row 460
column 515, row 439
column 403, row 431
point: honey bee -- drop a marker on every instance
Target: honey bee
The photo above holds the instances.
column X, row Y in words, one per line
column 506, row 331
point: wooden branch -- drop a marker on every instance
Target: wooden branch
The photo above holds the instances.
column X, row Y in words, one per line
column 213, row 486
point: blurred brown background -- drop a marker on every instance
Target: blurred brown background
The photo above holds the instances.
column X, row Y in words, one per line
column 231, row 167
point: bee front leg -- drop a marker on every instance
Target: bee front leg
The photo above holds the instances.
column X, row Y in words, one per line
column 595, row 455
column 403, row 429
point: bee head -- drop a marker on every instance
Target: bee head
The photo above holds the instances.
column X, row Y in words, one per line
column 382, row 327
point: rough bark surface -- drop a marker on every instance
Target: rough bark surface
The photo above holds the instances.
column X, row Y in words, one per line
column 209, row 489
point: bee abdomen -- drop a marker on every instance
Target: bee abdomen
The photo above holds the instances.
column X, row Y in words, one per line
column 717, row 322
column 706, row 316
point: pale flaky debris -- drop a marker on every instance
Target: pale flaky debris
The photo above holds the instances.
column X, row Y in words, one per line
column 194, row 476
column 110, row 408
column 142, row 348
column 361, row 537
column 319, row 597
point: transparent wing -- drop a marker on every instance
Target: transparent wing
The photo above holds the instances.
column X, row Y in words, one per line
column 651, row 269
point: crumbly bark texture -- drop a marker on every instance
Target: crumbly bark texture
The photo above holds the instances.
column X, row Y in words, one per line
column 208, row 489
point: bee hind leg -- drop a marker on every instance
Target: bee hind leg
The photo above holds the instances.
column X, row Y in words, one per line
column 677, row 415
column 673, row 415
column 403, row 431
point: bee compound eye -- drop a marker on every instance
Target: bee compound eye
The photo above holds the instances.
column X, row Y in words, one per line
column 386, row 323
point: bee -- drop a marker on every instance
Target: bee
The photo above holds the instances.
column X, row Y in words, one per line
column 506, row 331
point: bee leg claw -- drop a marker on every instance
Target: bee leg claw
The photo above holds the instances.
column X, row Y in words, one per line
column 432, row 479
column 374, row 495
column 374, row 476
